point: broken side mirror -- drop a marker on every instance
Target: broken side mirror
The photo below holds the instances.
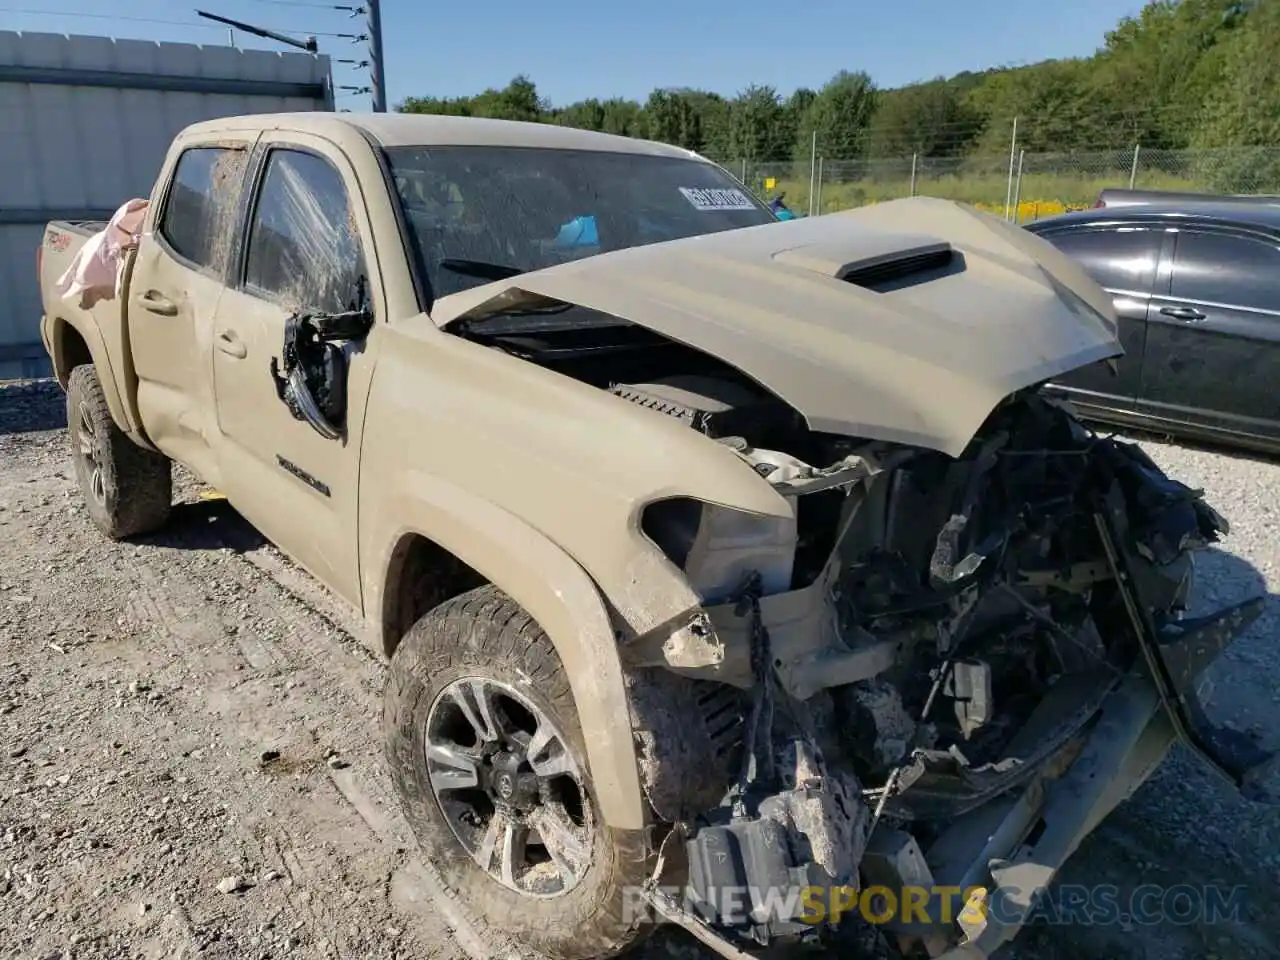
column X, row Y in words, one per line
column 312, row 381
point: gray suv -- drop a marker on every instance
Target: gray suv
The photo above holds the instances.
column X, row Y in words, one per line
column 1196, row 285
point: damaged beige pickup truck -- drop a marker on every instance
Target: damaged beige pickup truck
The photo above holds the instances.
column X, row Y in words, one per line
column 726, row 567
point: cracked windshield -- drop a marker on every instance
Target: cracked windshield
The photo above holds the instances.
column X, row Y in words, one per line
column 478, row 214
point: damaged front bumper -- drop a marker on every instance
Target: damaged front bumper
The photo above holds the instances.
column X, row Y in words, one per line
column 970, row 892
column 981, row 879
column 792, row 848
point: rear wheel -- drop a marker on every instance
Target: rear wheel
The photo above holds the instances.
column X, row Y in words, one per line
column 488, row 759
column 128, row 490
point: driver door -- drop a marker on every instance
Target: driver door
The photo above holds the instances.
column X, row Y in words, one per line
column 304, row 251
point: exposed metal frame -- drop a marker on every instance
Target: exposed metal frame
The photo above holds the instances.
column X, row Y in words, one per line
column 175, row 83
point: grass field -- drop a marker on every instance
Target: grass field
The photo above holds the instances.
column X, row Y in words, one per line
column 1041, row 195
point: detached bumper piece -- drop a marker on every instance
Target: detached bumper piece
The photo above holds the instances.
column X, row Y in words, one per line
column 1160, row 518
column 1131, row 736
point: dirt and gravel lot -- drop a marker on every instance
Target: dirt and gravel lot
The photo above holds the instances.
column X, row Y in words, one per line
column 190, row 759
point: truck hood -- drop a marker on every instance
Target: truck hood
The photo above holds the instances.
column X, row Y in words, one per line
column 907, row 321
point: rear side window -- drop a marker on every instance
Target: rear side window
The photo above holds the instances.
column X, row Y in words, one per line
column 1118, row 258
column 201, row 204
column 304, row 250
column 1219, row 268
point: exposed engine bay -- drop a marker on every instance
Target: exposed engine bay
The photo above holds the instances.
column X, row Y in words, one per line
column 927, row 640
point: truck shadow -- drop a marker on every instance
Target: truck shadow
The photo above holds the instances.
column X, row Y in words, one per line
column 211, row 524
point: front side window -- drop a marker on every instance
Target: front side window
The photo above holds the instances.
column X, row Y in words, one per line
column 202, row 203
column 477, row 213
column 304, row 249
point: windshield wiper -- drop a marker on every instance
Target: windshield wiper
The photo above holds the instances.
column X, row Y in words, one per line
column 480, row 268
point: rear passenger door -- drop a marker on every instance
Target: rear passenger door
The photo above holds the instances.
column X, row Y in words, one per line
column 174, row 289
column 1123, row 259
column 1213, row 350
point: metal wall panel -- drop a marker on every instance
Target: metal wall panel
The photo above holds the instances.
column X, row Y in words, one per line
column 84, row 125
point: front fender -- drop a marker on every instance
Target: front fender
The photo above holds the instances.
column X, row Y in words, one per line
column 549, row 584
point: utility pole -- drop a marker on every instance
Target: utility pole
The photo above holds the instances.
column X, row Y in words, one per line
column 373, row 8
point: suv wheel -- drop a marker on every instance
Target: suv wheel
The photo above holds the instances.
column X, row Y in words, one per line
column 487, row 756
column 127, row 489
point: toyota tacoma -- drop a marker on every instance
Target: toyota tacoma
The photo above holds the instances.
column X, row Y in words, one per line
column 718, row 560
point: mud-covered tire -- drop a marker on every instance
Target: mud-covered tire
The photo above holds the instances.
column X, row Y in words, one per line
column 127, row 489
column 484, row 633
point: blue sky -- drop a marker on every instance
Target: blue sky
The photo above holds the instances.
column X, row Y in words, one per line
column 575, row 48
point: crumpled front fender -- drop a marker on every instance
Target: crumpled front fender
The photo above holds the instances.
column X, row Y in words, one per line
column 550, row 586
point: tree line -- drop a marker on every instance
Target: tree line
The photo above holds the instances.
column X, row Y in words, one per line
column 1180, row 74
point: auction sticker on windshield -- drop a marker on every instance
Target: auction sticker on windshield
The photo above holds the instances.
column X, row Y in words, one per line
column 715, row 198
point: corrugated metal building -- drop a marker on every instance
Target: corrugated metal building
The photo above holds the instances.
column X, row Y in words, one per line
column 84, row 126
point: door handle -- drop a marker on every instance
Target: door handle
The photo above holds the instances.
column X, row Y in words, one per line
column 1189, row 314
column 158, row 303
column 232, row 345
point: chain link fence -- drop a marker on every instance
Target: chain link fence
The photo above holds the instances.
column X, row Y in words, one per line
column 1023, row 186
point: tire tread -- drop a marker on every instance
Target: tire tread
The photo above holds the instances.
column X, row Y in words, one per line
column 485, row 626
column 139, row 481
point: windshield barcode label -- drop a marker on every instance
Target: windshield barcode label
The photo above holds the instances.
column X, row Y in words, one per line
column 717, row 199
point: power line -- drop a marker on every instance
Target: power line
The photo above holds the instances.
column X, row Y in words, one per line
column 153, row 20
column 108, row 16
column 313, row 6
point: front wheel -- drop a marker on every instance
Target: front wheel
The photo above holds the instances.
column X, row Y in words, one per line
column 488, row 759
column 128, row 490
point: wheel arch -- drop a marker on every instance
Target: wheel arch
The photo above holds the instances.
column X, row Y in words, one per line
column 470, row 541
column 75, row 343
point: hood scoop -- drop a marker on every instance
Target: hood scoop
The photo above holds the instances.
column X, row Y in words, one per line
column 914, row 258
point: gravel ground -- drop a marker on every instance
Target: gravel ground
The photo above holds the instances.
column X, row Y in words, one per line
column 190, row 761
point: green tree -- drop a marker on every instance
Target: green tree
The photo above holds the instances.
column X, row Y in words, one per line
column 1243, row 110
column 518, row 100
column 713, row 110
column 800, row 108
column 585, row 115
column 1050, row 104
column 670, row 116
column 1150, row 81
column 621, row 117
column 447, row 106
column 757, row 128
column 841, row 113
column 932, row 119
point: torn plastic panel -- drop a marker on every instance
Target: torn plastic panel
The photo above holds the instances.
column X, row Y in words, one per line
column 1177, row 652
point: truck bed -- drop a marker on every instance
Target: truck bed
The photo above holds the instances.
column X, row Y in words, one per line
column 61, row 240
column 84, row 227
